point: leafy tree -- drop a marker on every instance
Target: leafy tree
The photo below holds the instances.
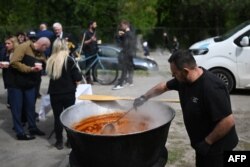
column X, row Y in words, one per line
column 141, row 13
column 190, row 20
column 193, row 20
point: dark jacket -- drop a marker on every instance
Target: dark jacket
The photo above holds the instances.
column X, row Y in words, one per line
column 72, row 45
column 127, row 42
column 24, row 57
column 66, row 84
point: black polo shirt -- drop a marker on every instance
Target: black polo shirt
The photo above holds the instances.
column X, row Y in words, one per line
column 204, row 103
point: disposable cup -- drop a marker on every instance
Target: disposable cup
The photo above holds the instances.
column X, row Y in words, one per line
column 38, row 65
column 5, row 62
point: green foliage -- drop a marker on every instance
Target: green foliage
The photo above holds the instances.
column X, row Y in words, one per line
column 193, row 20
column 189, row 20
column 141, row 13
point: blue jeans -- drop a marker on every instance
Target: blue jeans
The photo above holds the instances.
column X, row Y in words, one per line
column 18, row 98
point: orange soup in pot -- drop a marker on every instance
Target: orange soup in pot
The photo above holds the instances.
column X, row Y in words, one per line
column 131, row 123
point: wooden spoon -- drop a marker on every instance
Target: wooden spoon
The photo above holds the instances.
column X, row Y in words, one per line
column 113, row 98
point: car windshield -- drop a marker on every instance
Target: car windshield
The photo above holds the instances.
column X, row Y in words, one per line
column 231, row 32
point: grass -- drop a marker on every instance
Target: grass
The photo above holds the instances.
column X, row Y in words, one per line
column 175, row 155
column 244, row 145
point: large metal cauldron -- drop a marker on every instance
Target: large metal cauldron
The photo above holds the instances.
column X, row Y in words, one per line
column 140, row 149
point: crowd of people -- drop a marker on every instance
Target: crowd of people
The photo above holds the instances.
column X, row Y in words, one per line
column 24, row 58
column 126, row 40
column 209, row 123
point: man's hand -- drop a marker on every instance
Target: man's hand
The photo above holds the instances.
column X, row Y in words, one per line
column 202, row 148
column 120, row 32
column 139, row 101
column 93, row 38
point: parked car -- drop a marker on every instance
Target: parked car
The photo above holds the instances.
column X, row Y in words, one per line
column 227, row 56
column 109, row 53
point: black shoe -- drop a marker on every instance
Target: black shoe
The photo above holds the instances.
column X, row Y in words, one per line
column 67, row 144
column 37, row 132
column 59, row 145
column 8, row 106
column 39, row 96
column 90, row 82
column 25, row 137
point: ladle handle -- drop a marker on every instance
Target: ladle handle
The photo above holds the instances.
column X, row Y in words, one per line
column 125, row 113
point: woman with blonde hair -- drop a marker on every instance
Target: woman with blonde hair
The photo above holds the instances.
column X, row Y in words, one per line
column 64, row 76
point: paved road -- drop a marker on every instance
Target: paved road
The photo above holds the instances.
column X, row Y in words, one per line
column 41, row 153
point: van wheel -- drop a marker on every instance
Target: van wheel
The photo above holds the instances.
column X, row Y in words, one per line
column 226, row 77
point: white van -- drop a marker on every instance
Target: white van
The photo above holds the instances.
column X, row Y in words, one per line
column 228, row 56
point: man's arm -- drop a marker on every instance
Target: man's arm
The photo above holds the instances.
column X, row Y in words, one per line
column 156, row 90
column 221, row 129
column 16, row 60
column 89, row 39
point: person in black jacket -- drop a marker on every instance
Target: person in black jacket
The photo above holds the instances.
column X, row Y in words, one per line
column 22, row 88
column 206, row 108
column 59, row 33
column 90, row 49
column 45, row 32
column 127, row 41
column 6, row 53
column 64, row 76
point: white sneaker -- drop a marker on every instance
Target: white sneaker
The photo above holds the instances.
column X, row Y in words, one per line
column 128, row 84
column 117, row 87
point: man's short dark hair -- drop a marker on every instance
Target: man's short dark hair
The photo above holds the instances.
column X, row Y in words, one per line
column 90, row 23
column 182, row 59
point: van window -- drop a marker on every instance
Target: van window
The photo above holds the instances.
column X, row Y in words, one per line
column 231, row 32
column 237, row 40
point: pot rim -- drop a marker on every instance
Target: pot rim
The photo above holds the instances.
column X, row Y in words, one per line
column 117, row 135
